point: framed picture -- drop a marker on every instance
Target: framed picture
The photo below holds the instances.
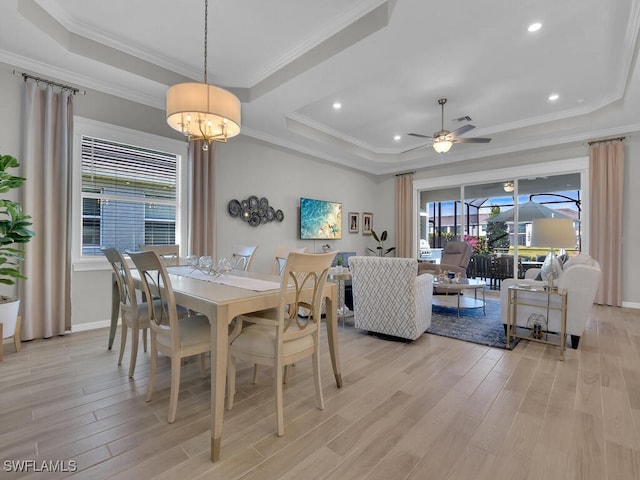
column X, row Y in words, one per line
column 353, row 222
column 367, row 223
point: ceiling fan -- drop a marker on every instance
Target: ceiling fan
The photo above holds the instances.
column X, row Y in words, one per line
column 443, row 139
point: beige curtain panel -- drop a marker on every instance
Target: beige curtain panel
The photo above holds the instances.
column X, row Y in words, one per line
column 404, row 215
column 202, row 217
column 46, row 158
column 606, row 170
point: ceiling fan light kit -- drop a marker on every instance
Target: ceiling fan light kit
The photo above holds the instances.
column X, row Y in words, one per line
column 444, row 139
column 442, row 145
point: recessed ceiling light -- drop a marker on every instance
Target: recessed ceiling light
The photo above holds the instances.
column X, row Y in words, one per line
column 397, row 138
column 337, row 105
column 534, row 27
column 553, row 97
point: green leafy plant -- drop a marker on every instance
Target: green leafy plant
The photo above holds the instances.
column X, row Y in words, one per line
column 13, row 224
column 380, row 250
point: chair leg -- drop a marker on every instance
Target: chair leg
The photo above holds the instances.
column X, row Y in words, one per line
column 175, row 387
column 279, row 394
column 135, row 339
column 145, row 332
column 285, row 377
column 16, row 335
column 575, row 340
column 255, row 373
column 152, row 370
column 231, row 380
column 315, row 361
column 123, row 342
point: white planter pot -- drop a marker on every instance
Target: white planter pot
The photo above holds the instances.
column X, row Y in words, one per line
column 9, row 307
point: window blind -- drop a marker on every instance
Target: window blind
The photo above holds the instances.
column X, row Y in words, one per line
column 128, row 196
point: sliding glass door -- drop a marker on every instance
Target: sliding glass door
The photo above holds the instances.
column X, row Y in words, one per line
column 496, row 219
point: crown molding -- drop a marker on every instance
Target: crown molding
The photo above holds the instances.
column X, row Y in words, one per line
column 79, row 80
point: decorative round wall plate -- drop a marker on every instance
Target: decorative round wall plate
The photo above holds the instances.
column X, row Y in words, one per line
column 271, row 214
column 279, row 215
column 254, row 221
column 264, row 203
column 253, row 203
column 234, row 208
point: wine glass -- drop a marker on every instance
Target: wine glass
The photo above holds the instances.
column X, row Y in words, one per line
column 205, row 263
column 225, row 265
column 192, row 261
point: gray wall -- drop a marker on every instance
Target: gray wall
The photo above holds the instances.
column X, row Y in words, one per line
column 249, row 167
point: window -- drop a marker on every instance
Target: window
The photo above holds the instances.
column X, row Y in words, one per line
column 129, row 195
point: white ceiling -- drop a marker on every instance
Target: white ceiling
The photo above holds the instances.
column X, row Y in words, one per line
column 387, row 62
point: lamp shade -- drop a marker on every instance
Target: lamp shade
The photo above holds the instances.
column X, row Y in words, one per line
column 553, row 233
column 200, row 110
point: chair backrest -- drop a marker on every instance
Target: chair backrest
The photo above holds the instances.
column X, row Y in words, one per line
column 243, row 252
column 169, row 254
column 307, row 273
column 280, row 258
column 457, row 253
column 126, row 288
column 156, row 284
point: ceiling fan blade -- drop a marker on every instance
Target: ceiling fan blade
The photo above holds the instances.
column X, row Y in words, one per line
column 462, row 130
column 472, row 140
column 416, row 148
column 419, row 135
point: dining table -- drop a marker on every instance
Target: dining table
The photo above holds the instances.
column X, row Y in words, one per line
column 222, row 299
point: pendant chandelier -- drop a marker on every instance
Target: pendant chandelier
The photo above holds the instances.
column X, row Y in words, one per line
column 201, row 111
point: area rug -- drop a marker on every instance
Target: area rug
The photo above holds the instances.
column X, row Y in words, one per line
column 472, row 325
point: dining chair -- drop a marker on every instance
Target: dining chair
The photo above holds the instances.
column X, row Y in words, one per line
column 169, row 335
column 243, row 256
column 280, row 258
column 169, row 254
column 134, row 314
column 288, row 338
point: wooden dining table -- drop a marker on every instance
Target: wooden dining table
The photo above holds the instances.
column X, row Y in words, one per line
column 221, row 304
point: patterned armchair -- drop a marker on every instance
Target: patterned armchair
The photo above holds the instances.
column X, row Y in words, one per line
column 389, row 297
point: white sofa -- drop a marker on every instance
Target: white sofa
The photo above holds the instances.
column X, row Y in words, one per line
column 581, row 278
column 389, row 297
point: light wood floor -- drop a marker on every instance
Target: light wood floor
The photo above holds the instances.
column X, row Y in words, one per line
column 435, row 408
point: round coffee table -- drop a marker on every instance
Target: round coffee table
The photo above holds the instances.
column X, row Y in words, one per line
column 456, row 300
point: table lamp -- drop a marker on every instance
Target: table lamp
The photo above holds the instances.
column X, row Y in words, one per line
column 552, row 233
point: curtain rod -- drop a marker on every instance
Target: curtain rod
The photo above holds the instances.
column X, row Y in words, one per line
column 616, row 139
column 73, row 90
column 405, row 173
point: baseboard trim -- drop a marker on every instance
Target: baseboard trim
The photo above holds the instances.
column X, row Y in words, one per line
column 82, row 327
column 630, row 305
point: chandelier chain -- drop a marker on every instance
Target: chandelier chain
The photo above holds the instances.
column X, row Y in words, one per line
column 206, row 29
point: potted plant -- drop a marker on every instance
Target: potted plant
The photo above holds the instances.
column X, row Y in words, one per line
column 14, row 231
column 380, row 250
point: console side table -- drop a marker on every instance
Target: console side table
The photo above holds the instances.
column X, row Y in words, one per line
column 530, row 298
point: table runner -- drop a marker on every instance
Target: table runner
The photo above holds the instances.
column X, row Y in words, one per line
column 229, row 279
